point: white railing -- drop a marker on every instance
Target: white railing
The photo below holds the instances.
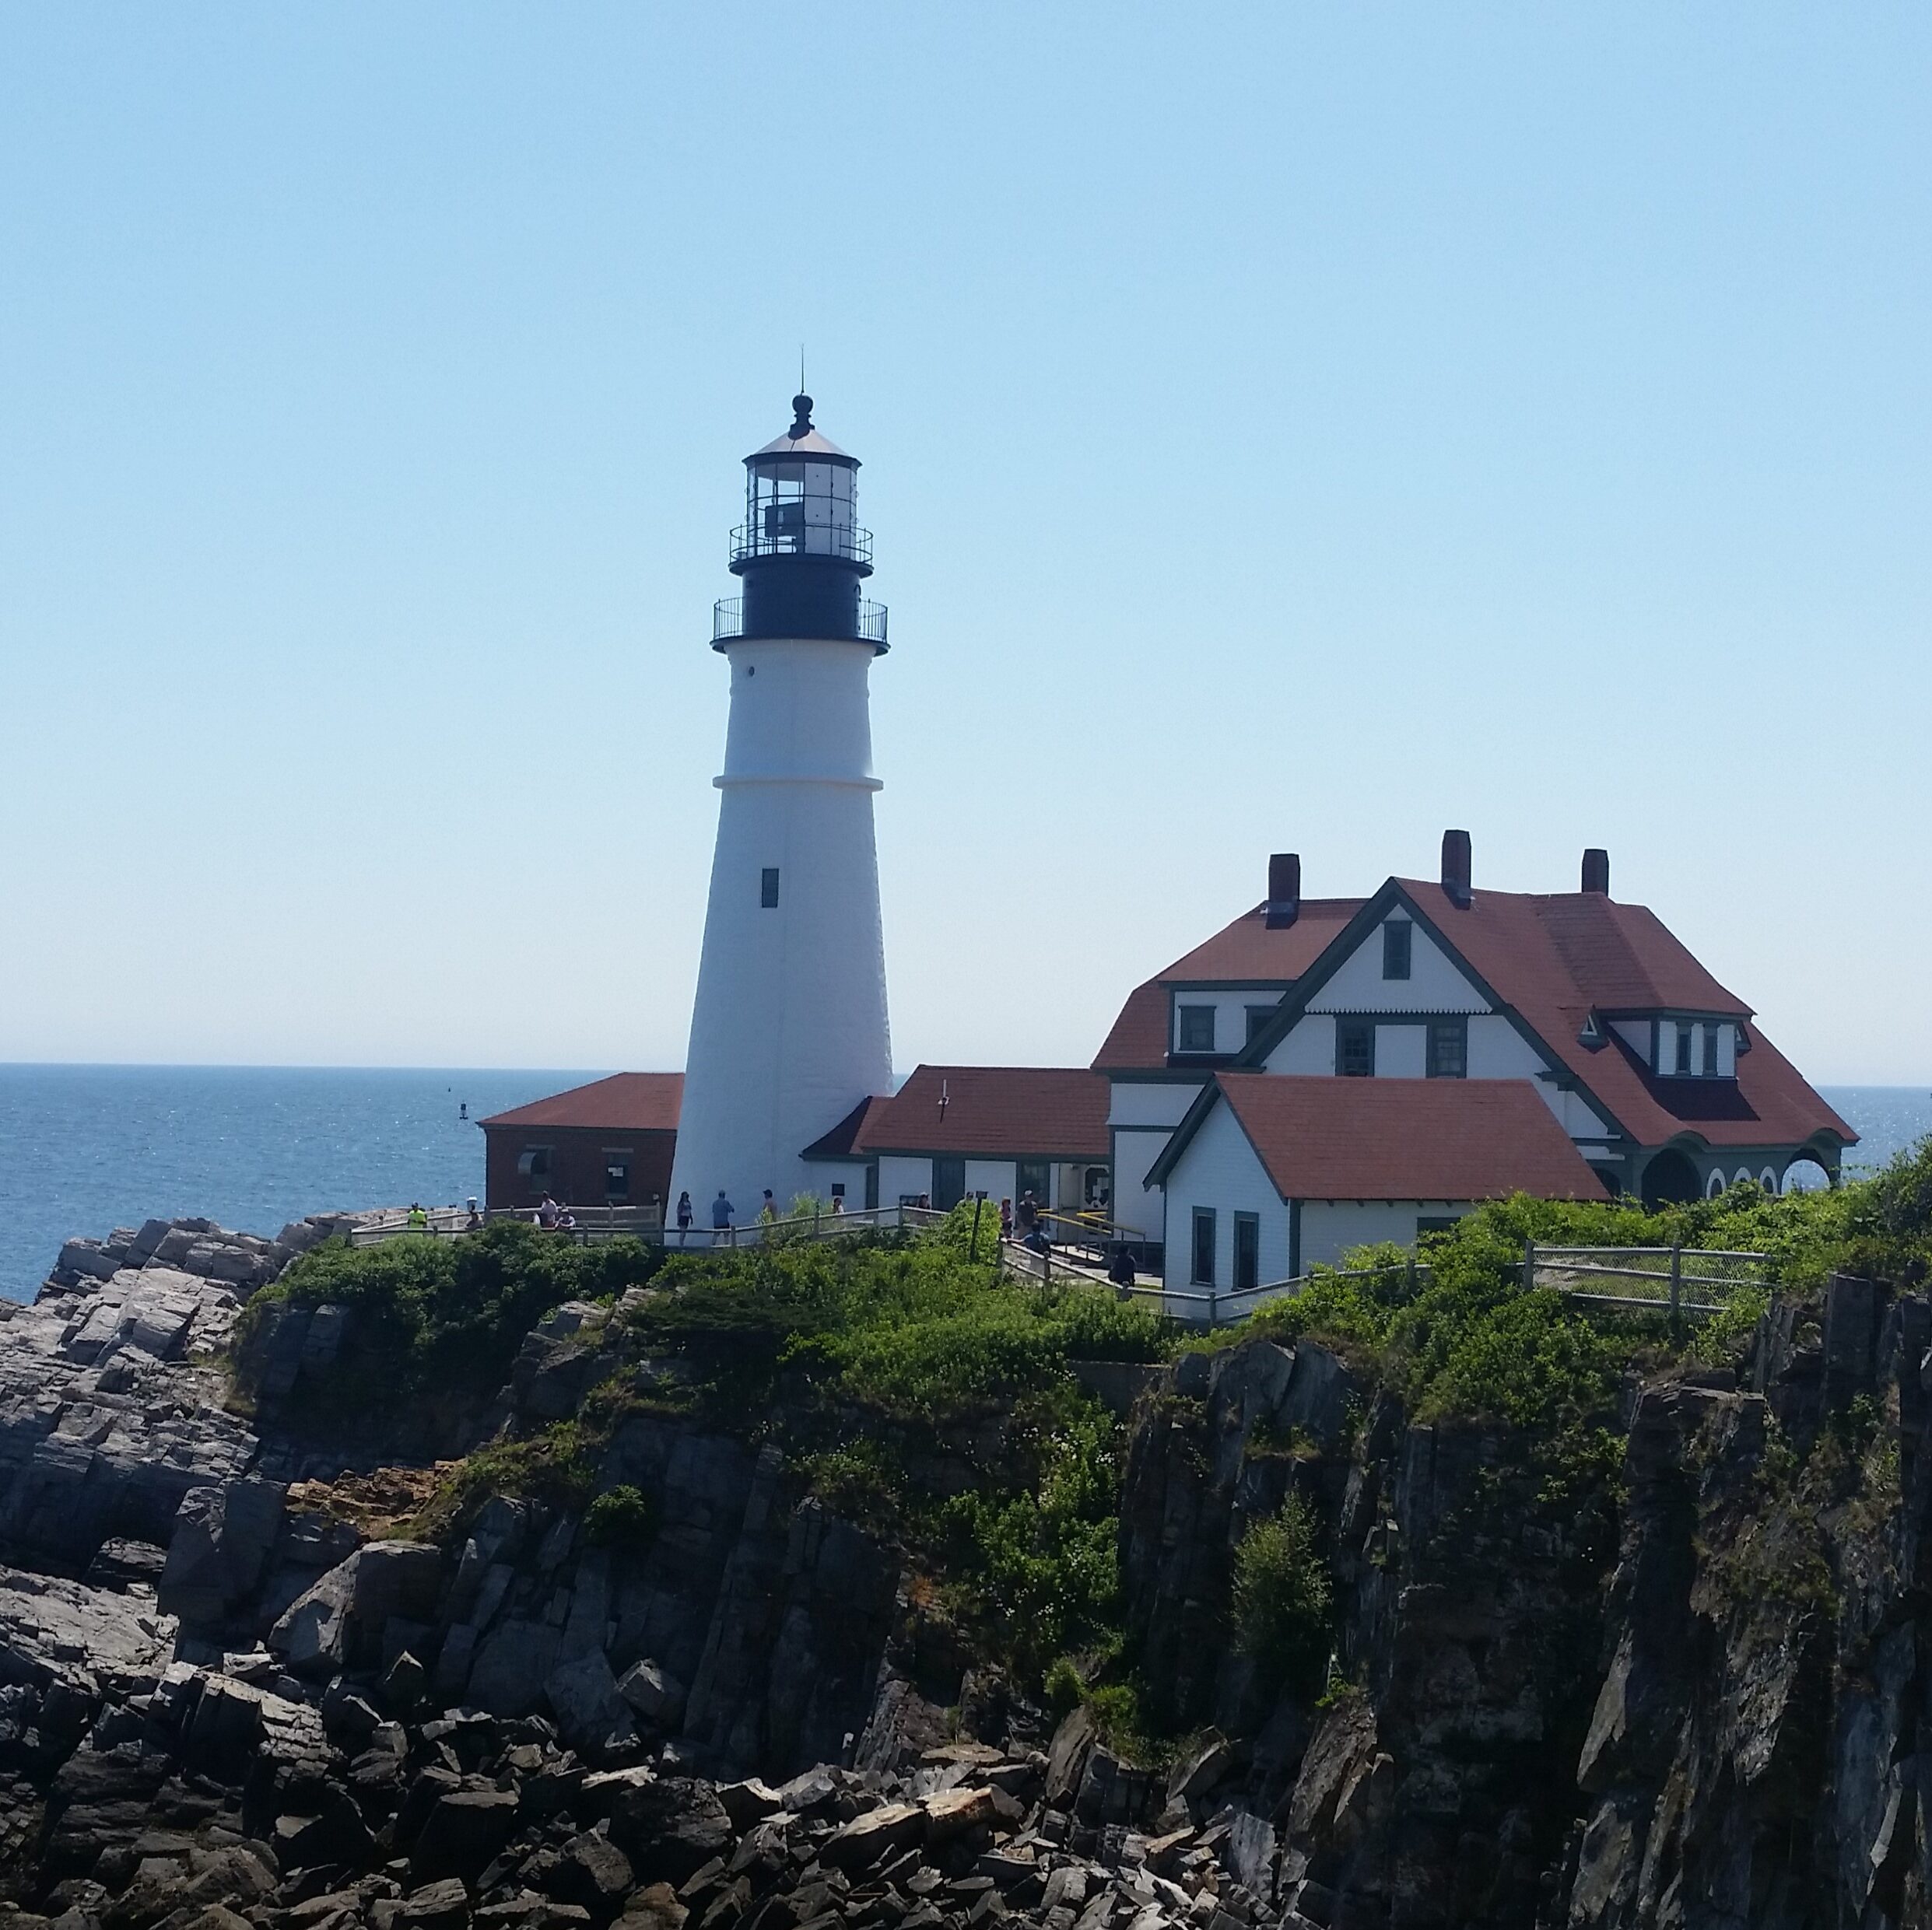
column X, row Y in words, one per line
column 1673, row 1280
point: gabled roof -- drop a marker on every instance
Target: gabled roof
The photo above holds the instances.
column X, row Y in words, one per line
column 1553, row 959
column 1323, row 1138
column 842, row 1141
column 1246, row 952
column 992, row 1112
column 1557, row 957
column 625, row 1102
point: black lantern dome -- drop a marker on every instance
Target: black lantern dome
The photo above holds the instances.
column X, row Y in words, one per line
column 801, row 552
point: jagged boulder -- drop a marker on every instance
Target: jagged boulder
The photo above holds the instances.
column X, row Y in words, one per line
column 222, row 1538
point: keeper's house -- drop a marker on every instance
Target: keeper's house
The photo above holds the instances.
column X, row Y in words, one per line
column 607, row 1143
column 952, row 1131
column 1265, row 1177
column 1658, row 1077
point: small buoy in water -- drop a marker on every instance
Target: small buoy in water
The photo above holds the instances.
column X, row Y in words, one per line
column 463, row 1111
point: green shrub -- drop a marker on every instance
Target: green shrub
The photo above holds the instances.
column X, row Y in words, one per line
column 1041, row 1559
column 431, row 1316
column 1282, row 1598
column 620, row 1518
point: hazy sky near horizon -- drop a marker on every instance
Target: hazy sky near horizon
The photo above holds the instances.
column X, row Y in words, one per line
column 1283, row 428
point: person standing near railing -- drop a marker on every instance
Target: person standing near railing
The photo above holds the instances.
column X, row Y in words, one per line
column 684, row 1217
column 721, row 1212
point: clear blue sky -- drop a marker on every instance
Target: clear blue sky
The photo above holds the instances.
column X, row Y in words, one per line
column 1285, row 427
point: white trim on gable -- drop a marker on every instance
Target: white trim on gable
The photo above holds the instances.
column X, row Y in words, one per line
column 1435, row 983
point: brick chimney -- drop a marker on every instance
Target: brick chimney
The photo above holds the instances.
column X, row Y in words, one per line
column 1284, row 889
column 1597, row 872
column 1456, row 868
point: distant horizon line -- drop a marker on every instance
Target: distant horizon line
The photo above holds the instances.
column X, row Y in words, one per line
column 237, row 1065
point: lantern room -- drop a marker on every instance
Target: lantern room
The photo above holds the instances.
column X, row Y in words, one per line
column 800, row 550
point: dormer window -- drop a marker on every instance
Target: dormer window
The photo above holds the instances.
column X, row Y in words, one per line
column 1196, row 1032
column 1697, row 1048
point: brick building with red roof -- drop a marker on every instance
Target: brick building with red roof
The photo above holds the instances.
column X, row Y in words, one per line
column 607, row 1143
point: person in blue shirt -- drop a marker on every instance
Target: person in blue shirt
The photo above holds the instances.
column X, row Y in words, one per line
column 721, row 1212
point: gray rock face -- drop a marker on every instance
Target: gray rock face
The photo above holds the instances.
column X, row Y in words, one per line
column 109, row 1412
column 591, row 1713
column 221, row 1540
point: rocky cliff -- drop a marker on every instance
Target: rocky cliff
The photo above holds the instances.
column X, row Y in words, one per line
column 1684, row 1689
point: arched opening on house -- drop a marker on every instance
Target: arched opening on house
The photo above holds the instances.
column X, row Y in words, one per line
column 1670, row 1180
column 1713, row 1185
column 1806, row 1173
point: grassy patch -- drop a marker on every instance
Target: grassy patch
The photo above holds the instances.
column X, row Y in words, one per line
column 435, row 1318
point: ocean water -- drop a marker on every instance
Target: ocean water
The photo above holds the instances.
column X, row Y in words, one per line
column 84, row 1149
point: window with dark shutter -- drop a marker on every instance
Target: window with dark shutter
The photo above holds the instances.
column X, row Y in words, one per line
column 1448, row 1047
column 1258, row 1016
column 768, row 888
column 1710, row 1051
column 1203, row 1247
column 1683, row 1049
column 1196, row 1028
column 1247, row 1252
column 1355, row 1048
column 1396, row 941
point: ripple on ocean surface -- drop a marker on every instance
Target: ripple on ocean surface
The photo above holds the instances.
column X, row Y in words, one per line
column 86, row 1148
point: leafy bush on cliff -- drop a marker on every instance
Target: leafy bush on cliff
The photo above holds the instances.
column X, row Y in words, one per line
column 1283, row 1600
column 431, row 1316
column 932, row 1402
column 911, row 1328
column 1042, row 1559
column 621, row 1517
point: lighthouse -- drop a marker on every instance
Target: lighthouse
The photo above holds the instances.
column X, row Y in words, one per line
column 789, row 1030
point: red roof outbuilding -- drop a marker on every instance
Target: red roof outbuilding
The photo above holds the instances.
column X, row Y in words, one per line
column 992, row 1112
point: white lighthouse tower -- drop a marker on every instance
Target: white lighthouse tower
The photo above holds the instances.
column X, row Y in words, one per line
column 789, row 1031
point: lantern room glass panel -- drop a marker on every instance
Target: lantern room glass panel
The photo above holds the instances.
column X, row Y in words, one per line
column 798, row 508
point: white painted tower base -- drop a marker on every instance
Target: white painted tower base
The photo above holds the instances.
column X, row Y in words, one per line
column 789, row 1031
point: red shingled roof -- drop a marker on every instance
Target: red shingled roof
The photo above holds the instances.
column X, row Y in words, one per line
column 1322, row 1138
column 993, row 1113
column 1246, row 952
column 1555, row 959
column 625, row 1102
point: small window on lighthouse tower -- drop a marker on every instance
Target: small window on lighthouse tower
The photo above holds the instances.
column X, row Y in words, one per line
column 768, row 888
